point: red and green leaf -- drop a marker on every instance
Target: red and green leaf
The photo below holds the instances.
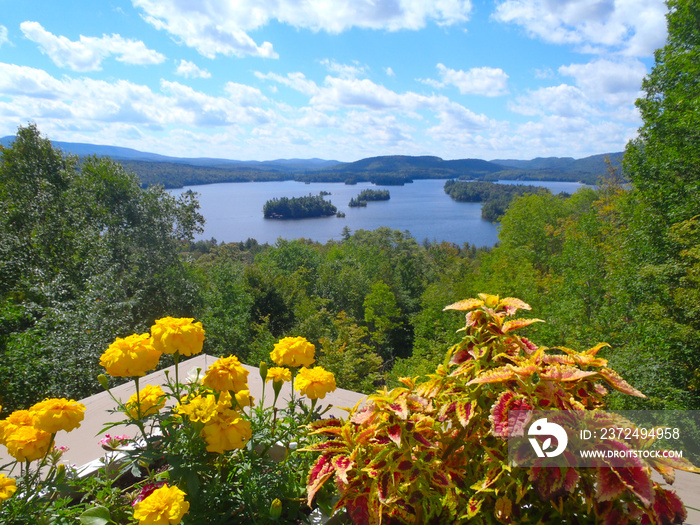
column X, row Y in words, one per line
column 496, row 375
column 619, row 384
column 342, row 464
column 502, row 424
column 465, row 411
column 466, row 304
column 668, row 507
column 513, row 304
column 318, row 475
column 564, row 373
column 516, row 324
column 394, row 433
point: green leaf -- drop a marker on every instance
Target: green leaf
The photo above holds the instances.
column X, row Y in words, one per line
column 96, row 516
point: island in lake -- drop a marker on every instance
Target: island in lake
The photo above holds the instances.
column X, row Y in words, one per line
column 369, row 195
column 495, row 197
column 299, row 207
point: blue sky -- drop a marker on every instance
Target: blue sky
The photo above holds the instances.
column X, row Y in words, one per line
column 335, row 79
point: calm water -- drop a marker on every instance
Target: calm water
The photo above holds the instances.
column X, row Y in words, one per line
column 233, row 212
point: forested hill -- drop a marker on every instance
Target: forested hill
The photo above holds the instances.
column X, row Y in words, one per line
column 175, row 172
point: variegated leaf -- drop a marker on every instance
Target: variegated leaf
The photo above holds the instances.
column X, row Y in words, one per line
column 466, row 304
column 473, row 507
column 551, row 481
column 322, row 424
column 516, row 324
column 496, row 375
column 342, row 465
column 440, row 478
column 363, row 415
column 668, row 507
column 502, row 424
column 394, row 433
column 318, row 475
column 326, row 446
column 513, row 304
column 400, row 408
column 596, row 348
column 363, row 437
column 615, row 381
column 673, row 462
column 465, row 411
column 565, row 373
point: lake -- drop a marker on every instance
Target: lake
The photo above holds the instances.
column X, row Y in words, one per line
column 233, row 211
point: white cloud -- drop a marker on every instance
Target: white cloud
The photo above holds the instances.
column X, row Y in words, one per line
column 189, row 69
column 84, row 101
column 354, row 70
column 487, row 81
column 571, row 137
column 544, row 73
column 614, row 82
column 221, row 26
column 296, row 81
column 563, row 101
column 87, row 53
column 4, row 39
column 632, row 27
column 389, row 72
column 243, row 95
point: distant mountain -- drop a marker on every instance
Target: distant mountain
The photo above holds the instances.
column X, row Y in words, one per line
column 408, row 164
column 120, row 154
column 174, row 172
column 594, row 164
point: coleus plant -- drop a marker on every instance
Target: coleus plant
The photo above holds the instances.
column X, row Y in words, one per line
column 437, row 451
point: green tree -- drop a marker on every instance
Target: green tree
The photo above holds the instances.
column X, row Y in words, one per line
column 86, row 255
column 345, row 352
column 664, row 160
column 382, row 315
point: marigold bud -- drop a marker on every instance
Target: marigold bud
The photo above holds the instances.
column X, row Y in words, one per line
column 275, row 509
column 104, row 382
column 263, row 370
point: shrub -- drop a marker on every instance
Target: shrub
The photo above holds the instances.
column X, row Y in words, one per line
column 437, row 451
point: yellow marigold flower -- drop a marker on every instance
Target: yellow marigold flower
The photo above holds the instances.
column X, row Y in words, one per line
column 152, row 400
column 225, row 401
column 132, row 356
column 8, row 487
column 244, row 399
column 170, row 335
column 198, row 408
column 293, row 351
column 226, row 431
column 52, row 415
column 164, row 506
column 226, row 373
column 278, row 374
column 18, row 418
column 314, row 382
column 27, row 443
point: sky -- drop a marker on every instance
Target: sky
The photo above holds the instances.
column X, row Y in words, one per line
column 331, row 79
